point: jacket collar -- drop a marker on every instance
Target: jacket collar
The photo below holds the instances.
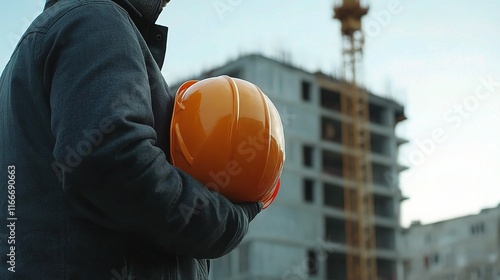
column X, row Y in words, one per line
column 147, row 10
column 144, row 13
column 49, row 3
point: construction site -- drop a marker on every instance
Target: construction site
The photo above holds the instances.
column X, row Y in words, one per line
column 339, row 213
column 338, row 218
column 344, row 210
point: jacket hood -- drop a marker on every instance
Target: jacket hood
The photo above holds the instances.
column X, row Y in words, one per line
column 148, row 10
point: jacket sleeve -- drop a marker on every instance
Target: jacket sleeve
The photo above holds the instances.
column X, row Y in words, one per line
column 105, row 153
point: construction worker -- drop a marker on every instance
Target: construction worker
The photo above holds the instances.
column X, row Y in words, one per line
column 86, row 189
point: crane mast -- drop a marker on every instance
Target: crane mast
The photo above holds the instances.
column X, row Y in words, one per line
column 358, row 201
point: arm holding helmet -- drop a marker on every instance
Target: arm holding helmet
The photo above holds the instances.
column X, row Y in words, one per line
column 121, row 180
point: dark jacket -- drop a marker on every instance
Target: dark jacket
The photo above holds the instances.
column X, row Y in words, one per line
column 86, row 189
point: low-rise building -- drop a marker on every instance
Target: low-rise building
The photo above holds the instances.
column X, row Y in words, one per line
column 465, row 248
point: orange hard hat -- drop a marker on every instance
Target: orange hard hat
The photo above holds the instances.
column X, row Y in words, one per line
column 227, row 134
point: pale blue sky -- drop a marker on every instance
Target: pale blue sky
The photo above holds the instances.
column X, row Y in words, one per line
column 435, row 56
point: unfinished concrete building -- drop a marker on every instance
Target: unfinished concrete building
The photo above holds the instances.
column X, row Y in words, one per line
column 303, row 234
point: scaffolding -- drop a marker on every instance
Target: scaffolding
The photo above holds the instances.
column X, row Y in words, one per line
column 358, row 201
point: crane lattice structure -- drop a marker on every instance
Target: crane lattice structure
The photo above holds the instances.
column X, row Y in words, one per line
column 358, row 201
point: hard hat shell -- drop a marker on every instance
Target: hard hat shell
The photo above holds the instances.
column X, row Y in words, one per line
column 226, row 133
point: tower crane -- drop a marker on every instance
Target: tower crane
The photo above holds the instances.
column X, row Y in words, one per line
column 358, row 201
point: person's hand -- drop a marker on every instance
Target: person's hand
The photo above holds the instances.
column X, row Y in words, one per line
column 251, row 209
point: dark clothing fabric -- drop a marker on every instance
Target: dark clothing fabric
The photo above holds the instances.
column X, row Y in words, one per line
column 84, row 137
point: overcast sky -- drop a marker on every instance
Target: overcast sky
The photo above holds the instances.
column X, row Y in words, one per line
column 440, row 58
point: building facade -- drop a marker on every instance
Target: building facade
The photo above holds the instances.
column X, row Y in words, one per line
column 302, row 234
column 465, row 248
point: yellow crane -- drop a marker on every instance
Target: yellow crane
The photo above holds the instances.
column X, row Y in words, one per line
column 358, row 201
